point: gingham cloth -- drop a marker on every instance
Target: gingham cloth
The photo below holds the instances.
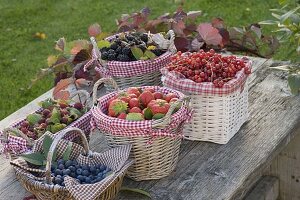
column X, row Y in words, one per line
column 19, row 145
column 116, row 159
column 127, row 69
column 178, row 82
column 117, row 126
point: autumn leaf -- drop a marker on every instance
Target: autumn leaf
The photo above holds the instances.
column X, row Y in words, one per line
column 209, row 34
column 60, row 44
column 94, row 30
column 60, row 86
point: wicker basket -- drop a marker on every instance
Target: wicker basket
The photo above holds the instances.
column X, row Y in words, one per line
column 136, row 73
column 155, row 143
column 218, row 112
column 43, row 188
column 15, row 142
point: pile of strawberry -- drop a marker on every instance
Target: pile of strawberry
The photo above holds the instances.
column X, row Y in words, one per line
column 207, row 67
column 136, row 104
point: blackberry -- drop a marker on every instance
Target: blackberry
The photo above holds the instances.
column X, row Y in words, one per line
column 123, row 58
column 111, row 55
column 118, row 50
column 104, row 49
column 157, row 52
column 114, row 46
column 104, row 55
column 126, row 50
column 130, row 37
column 144, row 38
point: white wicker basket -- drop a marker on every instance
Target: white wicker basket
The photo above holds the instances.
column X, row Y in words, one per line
column 218, row 115
column 217, row 118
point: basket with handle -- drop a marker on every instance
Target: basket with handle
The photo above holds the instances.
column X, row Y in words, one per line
column 135, row 73
column 16, row 142
column 218, row 112
column 155, row 143
column 40, row 184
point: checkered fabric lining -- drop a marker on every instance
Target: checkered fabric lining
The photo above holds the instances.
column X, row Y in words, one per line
column 128, row 69
column 137, row 128
column 116, row 159
column 178, row 82
column 19, row 145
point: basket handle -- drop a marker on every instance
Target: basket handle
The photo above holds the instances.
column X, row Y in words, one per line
column 109, row 81
column 19, row 133
column 81, row 92
column 172, row 47
column 97, row 51
column 166, row 120
column 53, row 146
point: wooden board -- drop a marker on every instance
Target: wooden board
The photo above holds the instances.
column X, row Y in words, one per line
column 212, row 171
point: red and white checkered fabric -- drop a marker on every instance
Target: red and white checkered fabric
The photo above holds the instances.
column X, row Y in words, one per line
column 117, row 126
column 19, row 145
column 178, row 82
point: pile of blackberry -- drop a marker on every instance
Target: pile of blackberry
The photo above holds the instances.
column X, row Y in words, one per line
column 84, row 174
column 119, row 49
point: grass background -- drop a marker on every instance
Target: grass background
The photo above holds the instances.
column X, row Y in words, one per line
column 21, row 56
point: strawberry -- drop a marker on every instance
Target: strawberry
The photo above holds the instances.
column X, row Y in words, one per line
column 134, row 102
column 135, row 110
column 116, row 107
column 159, row 106
column 150, row 90
column 122, row 116
column 158, row 95
column 169, row 96
column 132, row 96
column 124, row 96
column 134, row 90
column 146, row 97
column 111, row 99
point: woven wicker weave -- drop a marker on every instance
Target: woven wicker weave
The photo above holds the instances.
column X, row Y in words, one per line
column 155, row 156
column 144, row 79
column 217, row 118
column 81, row 123
column 47, row 191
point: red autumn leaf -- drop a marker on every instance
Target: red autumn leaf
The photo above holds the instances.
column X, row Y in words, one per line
column 94, row 30
column 178, row 27
column 209, row 34
column 217, row 23
column 182, row 44
column 60, row 86
column 225, row 36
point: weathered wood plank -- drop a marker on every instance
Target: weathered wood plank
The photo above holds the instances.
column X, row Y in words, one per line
column 266, row 189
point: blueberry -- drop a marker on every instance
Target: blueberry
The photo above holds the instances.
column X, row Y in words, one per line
column 57, row 180
column 87, row 180
column 92, row 169
column 61, row 166
column 93, row 181
column 79, row 171
column 102, row 168
column 53, row 168
column 85, row 167
column 85, row 173
column 58, row 172
column 60, row 161
column 68, row 163
column 97, row 171
column 73, row 174
column 66, row 172
column 98, row 179
column 81, row 178
column 75, row 162
column 100, row 174
column 72, row 168
column 77, row 166
column 91, row 177
column 59, row 176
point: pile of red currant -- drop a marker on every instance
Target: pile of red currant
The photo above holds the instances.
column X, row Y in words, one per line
column 207, row 67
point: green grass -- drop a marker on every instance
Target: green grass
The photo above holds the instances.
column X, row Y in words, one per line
column 21, row 56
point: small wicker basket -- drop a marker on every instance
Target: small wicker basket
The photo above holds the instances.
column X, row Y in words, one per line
column 218, row 112
column 16, row 142
column 136, row 73
column 43, row 188
column 155, row 143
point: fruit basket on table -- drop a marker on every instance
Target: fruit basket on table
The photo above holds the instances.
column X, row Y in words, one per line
column 71, row 171
column 151, row 118
column 53, row 116
column 218, row 89
column 134, row 59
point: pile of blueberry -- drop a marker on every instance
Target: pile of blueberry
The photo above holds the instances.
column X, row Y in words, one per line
column 84, row 174
column 119, row 49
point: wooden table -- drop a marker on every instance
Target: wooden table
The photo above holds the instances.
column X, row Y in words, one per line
column 206, row 170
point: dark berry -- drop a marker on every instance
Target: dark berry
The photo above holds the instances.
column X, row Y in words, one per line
column 75, row 162
column 102, row 167
column 126, row 50
column 81, row 178
column 130, row 37
column 53, row 168
column 98, row 179
column 58, row 180
column 144, row 37
column 123, row 58
column 63, row 184
column 73, row 174
column 104, row 55
column 85, row 167
column 60, row 161
column 114, row 46
column 85, row 173
column 78, row 106
column 46, row 112
column 111, row 57
column 92, row 169
column 87, row 180
column 79, row 171
column 157, row 52
column 58, row 172
column 118, row 50
column 104, row 49
column 66, row 172
column 72, row 168
column 61, row 166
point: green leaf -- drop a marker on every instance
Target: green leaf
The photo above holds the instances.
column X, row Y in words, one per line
column 137, row 52
column 55, row 117
column 74, row 113
column 36, row 158
column 268, row 22
column 67, row 153
column 57, row 127
column 103, row 43
column 102, row 36
column 150, row 54
column 33, row 118
column 47, row 144
column 47, row 103
column 158, row 116
column 148, row 114
column 281, row 2
column 136, row 190
column 294, row 83
column 288, row 14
